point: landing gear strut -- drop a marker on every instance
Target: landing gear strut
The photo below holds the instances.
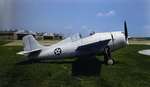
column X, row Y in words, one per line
column 107, row 56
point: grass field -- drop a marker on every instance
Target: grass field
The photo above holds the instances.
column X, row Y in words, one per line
column 130, row 70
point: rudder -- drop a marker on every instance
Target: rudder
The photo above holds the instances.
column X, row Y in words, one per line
column 30, row 43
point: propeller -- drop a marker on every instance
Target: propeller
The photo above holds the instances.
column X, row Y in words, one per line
column 126, row 32
column 126, row 36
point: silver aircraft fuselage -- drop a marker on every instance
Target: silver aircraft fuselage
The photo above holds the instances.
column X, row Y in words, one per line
column 75, row 46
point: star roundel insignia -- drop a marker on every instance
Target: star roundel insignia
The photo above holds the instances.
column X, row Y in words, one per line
column 57, row 51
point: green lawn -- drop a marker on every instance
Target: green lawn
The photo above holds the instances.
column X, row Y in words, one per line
column 130, row 70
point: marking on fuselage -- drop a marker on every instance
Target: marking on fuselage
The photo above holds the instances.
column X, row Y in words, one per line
column 57, row 51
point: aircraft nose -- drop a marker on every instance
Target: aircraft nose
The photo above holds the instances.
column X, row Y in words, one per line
column 120, row 40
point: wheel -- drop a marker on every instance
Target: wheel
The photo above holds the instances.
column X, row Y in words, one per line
column 110, row 61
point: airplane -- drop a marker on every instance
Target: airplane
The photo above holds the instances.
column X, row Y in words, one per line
column 145, row 52
column 100, row 44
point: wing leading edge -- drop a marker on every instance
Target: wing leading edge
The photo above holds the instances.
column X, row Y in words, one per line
column 93, row 45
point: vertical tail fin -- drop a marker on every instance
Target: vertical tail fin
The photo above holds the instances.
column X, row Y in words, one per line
column 30, row 43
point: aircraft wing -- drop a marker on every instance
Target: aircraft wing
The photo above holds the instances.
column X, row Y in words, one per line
column 93, row 45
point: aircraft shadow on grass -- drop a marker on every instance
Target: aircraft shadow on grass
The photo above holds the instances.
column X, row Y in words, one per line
column 82, row 66
column 86, row 66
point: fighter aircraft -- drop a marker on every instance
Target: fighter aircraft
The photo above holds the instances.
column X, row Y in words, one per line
column 76, row 46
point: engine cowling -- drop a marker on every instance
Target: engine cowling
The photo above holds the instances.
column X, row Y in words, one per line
column 117, row 41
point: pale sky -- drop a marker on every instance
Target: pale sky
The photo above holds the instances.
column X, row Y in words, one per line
column 79, row 16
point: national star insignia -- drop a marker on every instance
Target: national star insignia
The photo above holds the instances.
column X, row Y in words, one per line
column 57, row 51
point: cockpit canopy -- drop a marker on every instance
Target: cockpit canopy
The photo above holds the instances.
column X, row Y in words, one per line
column 79, row 36
column 76, row 37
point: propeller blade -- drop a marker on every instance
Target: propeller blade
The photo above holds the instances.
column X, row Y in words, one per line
column 125, row 29
column 127, row 42
column 126, row 32
column 126, row 36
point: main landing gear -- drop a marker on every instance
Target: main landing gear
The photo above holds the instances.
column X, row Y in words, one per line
column 107, row 56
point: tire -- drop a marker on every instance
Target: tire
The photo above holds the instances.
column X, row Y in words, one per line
column 110, row 61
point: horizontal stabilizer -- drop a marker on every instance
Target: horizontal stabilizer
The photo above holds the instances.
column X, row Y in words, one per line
column 27, row 52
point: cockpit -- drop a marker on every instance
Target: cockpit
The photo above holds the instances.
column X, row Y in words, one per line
column 76, row 37
column 79, row 36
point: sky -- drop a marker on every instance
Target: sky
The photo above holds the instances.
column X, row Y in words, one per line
column 76, row 16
